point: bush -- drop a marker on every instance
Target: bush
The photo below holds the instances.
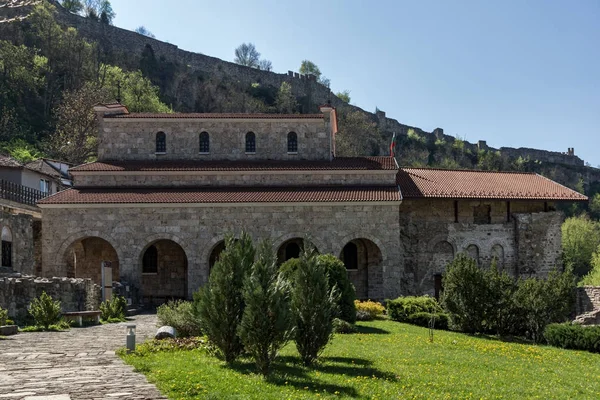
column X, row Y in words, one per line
column 402, row 308
column 341, row 326
column 424, row 318
column 573, row 336
column 180, row 315
column 3, row 316
column 313, row 305
column 368, row 310
column 338, row 277
column 45, row 311
column 114, row 309
column 220, row 304
column 267, row 323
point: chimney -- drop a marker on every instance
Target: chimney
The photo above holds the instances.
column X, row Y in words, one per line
column 330, row 119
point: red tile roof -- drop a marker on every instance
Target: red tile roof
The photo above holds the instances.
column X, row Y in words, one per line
column 217, row 116
column 8, row 161
column 340, row 163
column 225, row 195
column 455, row 184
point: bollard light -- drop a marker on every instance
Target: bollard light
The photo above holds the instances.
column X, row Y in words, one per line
column 130, row 338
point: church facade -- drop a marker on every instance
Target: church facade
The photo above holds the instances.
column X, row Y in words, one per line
column 167, row 188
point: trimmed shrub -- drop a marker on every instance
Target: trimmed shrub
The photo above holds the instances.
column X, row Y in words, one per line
column 267, row 323
column 45, row 311
column 341, row 326
column 336, row 276
column 573, row 336
column 3, row 316
column 424, row 318
column 180, row 315
column 220, row 303
column 114, row 309
column 368, row 310
column 314, row 306
column 402, row 308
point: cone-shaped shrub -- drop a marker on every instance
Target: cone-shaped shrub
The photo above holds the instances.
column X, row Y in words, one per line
column 220, row 304
column 267, row 321
column 314, row 306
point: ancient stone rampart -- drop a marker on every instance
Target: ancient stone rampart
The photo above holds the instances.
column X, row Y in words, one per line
column 588, row 299
column 16, row 293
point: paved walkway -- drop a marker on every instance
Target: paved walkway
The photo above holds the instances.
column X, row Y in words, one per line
column 78, row 364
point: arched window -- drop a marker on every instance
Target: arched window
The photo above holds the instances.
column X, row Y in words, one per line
column 250, row 142
column 161, row 142
column 351, row 256
column 150, row 261
column 292, row 142
column 6, row 247
column 204, row 143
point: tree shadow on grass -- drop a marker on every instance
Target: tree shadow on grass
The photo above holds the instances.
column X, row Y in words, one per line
column 371, row 330
column 506, row 339
column 289, row 371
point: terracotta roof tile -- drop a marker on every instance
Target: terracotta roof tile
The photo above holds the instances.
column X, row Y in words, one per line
column 438, row 183
column 225, row 195
column 216, row 116
column 340, row 163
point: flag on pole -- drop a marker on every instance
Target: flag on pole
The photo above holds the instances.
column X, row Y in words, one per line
column 393, row 146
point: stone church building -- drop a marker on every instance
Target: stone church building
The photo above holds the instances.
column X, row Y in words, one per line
column 167, row 188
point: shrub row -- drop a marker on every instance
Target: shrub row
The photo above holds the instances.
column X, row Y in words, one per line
column 573, row 336
column 424, row 319
column 418, row 310
column 368, row 310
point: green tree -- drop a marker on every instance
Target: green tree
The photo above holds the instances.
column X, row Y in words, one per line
column 580, row 238
column 286, row 101
column 308, row 67
column 595, row 206
column 357, row 135
column 338, row 278
column 45, row 311
column 106, row 12
column 313, row 306
column 344, row 96
column 74, row 6
column 593, row 277
column 220, row 304
column 143, row 31
column 267, row 323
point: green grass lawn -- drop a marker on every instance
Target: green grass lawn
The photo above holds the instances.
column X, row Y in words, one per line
column 386, row 360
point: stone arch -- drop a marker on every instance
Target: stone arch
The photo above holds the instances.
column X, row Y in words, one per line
column 292, row 248
column 472, row 251
column 83, row 258
column 214, row 254
column 7, row 247
column 170, row 281
column 58, row 257
column 375, row 240
column 367, row 277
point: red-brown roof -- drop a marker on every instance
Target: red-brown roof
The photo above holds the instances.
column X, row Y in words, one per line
column 225, row 195
column 340, row 163
column 456, row 184
column 217, row 116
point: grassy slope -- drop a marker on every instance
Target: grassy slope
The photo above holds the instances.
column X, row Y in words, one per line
column 387, row 360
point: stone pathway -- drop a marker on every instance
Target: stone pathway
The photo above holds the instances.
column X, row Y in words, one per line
column 78, row 364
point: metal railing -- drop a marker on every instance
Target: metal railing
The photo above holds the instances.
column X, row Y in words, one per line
column 19, row 193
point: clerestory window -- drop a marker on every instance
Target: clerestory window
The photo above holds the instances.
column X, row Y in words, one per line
column 250, row 142
column 292, row 142
column 161, row 142
column 204, row 143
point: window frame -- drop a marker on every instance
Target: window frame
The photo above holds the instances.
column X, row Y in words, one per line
column 250, row 143
column 162, row 137
column 201, row 143
column 292, row 138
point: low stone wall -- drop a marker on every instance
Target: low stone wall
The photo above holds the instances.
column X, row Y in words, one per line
column 74, row 294
column 588, row 300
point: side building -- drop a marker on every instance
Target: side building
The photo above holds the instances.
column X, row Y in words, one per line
column 167, row 188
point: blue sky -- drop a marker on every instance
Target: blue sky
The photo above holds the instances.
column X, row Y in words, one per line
column 514, row 73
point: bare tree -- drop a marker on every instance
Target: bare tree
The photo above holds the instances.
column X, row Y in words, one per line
column 246, row 54
column 143, row 31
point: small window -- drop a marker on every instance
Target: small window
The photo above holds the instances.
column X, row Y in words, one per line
column 6, row 247
column 204, row 143
column 292, row 142
column 45, row 186
column 250, row 142
column 150, row 261
column 161, row 142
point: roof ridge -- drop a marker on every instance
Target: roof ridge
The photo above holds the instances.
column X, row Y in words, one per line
column 468, row 170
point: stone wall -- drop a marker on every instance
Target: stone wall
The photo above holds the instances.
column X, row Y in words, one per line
column 74, row 294
column 84, row 259
column 135, row 139
column 21, row 228
column 588, row 300
column 235, row 178
column 131, row 229
column 430, row 237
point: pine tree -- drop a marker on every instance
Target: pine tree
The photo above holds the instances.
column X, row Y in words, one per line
column 313, row 306
column 221, row 303
column 267, row 321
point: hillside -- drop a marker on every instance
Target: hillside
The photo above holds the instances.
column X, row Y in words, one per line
column 189, row 82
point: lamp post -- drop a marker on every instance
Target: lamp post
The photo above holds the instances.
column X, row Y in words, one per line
column 130, row 338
